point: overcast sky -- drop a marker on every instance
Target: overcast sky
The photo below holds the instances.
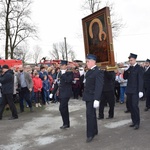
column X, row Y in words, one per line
column 135, row 36
column 57, row 19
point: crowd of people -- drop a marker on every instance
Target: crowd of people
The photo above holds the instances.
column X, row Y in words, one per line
column 33, row 85
column 51, row 84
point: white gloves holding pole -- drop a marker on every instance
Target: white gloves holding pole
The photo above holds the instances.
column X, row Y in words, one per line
column 140, row 94
column 96, row 104
column 51, row 95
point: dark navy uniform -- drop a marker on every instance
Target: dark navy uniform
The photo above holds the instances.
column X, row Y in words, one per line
column 146, row 78
column 65, row 92
column 134, row 75
column 92, row 91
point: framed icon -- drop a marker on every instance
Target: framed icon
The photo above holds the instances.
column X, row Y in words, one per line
column 97, row 35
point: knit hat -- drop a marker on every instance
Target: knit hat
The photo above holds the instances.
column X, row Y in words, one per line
column 5, row 67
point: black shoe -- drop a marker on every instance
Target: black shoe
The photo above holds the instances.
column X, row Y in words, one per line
column 12, row 118
column 109, row 117
column 0, row 118
column 64, row 127
column 136, row 127
column 146, row 109
column 132, row 125
column 21, row 111
column 126, row 111
column 7, row 108
column 99, row 118
column 89, row 139
column 31, row 109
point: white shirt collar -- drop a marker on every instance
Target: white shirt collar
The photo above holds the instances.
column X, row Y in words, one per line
column 93, row 66
column 134, row 65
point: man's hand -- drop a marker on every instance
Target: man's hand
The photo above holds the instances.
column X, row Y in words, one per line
column 140, row 94
column 30, row 89
column 96, row 104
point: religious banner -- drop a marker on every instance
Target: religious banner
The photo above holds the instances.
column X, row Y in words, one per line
column 98, row 37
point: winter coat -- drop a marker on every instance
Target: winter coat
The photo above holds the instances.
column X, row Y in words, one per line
column 7, row 81
column 46, row 85
column 37, row 84
column 76, row 83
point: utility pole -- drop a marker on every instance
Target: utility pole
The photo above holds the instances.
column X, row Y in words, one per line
column 66, row 48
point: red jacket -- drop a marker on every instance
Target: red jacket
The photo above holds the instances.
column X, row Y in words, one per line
column 37, row 84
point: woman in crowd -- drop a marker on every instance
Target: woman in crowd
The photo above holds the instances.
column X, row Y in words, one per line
column 76, row 83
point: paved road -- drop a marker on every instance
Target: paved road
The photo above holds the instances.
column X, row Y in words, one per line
column 40, row 130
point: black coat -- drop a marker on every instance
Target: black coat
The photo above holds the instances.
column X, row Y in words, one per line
column 93, row 84
column 7, row 81
column 146, row 78
column 109, row 81
column 134, row 75
column 65, row 87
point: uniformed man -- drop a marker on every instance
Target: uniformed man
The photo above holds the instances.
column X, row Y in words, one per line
column 64, row 93
column 134, row 89
column 147, row 84
column 91, row 95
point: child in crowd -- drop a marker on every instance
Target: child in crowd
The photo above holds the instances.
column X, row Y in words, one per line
column 37, row 87
column 46, row 89
column 123, row 85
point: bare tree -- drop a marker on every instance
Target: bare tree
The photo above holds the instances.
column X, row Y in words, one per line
column 59, row 51
column 91, row 5
column 116, row 22
column 72, row 55
column 55, row 52
column 62, row 50
column 16, row 24
column 22, row 53
column 36, row 53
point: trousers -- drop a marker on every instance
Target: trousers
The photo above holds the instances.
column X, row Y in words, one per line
column 8, row 99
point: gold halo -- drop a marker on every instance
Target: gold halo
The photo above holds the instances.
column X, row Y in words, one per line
column 100, row 27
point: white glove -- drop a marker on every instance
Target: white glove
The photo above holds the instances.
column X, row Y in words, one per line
column 140, row 94
column 74, row 82
column 127, row 67
column 96, row 104
column 63, row 71
column 50, row 95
